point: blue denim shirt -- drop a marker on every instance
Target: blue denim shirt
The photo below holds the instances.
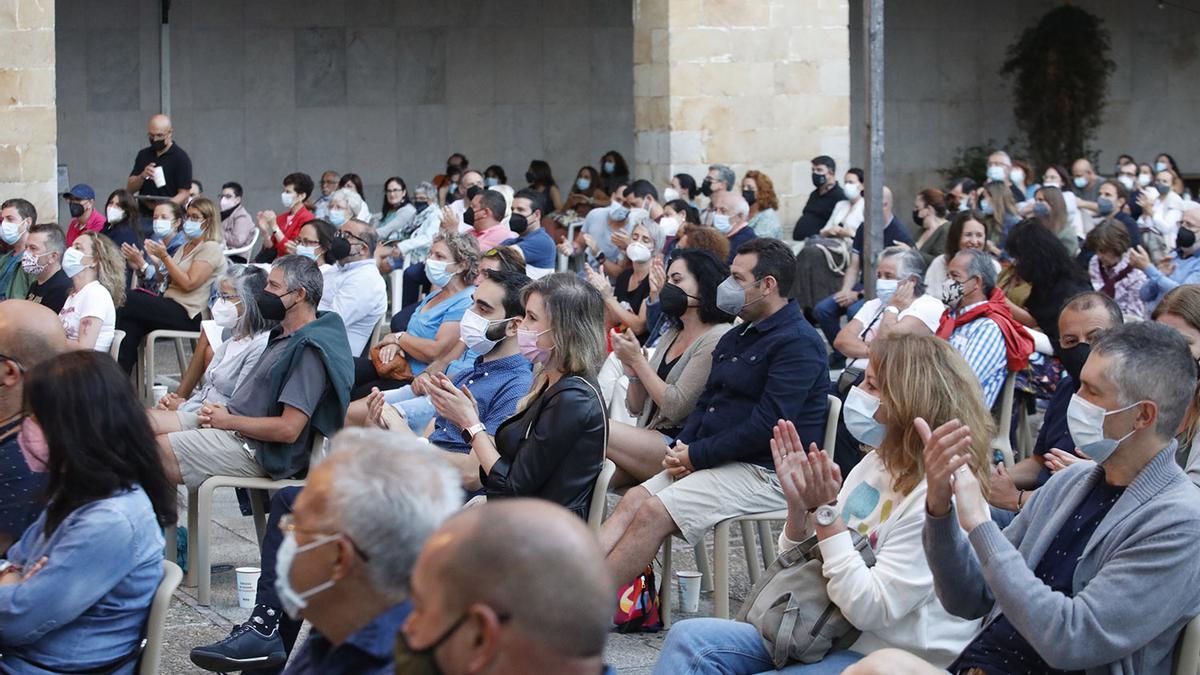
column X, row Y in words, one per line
column 88, row 604
column 368, row 651
column 761, row 373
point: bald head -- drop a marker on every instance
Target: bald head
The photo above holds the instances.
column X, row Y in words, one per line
column 30, row 333
column 553, row 571
column 1191, row 218
column 159, row 124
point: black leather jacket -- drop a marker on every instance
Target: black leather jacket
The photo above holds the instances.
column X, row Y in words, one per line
column 553, row 449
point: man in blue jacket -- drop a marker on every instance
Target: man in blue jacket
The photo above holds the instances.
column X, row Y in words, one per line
column 772, row 367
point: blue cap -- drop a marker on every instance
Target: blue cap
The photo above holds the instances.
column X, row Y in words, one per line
column 81, row 191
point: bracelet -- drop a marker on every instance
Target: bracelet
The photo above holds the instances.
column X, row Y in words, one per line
column 1020, row 499
column 633, row 379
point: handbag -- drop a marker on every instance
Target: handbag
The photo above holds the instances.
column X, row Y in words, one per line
column 791, row 609
column 637, row 605
column 397, row 369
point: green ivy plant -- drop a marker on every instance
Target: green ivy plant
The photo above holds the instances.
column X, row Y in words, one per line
column 1059, row 69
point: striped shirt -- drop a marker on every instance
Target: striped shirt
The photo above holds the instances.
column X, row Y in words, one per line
column 982, row 344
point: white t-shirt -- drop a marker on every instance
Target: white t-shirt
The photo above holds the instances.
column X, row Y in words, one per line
column 926, row 308
column 91, row 300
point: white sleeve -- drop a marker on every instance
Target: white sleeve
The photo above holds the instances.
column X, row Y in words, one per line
column 94, row 301
column 928, row 309
column 867, row 312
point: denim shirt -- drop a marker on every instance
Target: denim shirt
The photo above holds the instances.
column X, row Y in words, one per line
column 368, row 651
column 88, row 605
column 761, row 373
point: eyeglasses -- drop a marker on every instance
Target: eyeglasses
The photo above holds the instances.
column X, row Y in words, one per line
column 307, row 242
column 342, row 234
column 229, row 297
column 20, row 368
column 287, row 524
column 394, row 191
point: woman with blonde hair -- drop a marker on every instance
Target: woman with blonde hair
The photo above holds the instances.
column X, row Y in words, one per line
column 190, row 273
column 995, row 202
column 1180, row 309
column 1050, row 207
column 883, row 500
column 97, row 275
column 759, row 192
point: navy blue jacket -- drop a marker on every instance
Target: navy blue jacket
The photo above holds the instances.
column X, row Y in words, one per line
column 761, row 373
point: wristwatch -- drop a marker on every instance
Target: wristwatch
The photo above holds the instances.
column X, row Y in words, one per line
column 826, row 514
column 468, row 434
column 892, row 309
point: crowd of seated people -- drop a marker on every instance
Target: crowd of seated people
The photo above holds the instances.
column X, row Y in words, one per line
column 686, row 342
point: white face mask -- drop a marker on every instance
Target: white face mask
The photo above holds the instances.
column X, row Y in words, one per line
column 995, row 173
column 885, row 289
column 293, row 602
column 162, row 227
column 225, row 313
column 1017, row 176
column 670, row 194
column 859, row 415
column 638, row 252
column 473, row 329
column 286, row 199
column 115, row 214
column 669, row 225
column 1085, row 420
column 722, row 223
column 1127, row 181
column 852, row 191
column 228, row 203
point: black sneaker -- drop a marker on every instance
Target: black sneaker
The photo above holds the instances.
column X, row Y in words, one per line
column 244, row 649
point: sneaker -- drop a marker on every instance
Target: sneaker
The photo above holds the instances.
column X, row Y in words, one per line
column 244, row 649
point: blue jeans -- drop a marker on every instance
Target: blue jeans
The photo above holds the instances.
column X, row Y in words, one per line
column 725, row 647
column 418, row 410
column 829, row 314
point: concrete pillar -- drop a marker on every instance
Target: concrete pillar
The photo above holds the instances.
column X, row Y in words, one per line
column 28, row 128
column 756, row 84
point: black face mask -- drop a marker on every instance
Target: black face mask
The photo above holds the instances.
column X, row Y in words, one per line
column 1073, row 359
column 750, row 196
column 75, row 208
column 226, row 213
column 420, row 206
column 819, row 179
column 518, row 223
column 706, row 187
column 469, row 216
column 271, row 306
column 338, row 250
column 529, row 177
column 917, row 220
column 157, row 144
column 409, row 661
column 1185, row 238
column 453, row 170
column 673, row 301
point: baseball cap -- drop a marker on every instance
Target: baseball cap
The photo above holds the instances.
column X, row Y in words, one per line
column 80, row 191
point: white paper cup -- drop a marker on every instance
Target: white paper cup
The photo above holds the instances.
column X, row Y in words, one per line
column 160, row 390
column 247, row 586
column 689, row 591
column 160, row 178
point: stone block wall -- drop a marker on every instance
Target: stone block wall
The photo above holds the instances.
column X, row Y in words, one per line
column 27, row 104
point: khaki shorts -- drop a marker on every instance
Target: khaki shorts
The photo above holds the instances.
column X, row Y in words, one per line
column 702, row 499
column 203, row 453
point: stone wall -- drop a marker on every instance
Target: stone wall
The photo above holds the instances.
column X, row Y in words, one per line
column 27, row 120
column 757, row 85
column 378, row 87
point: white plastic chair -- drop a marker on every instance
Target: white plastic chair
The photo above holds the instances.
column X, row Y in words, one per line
column 248, row 250
column 596, row 511
column 147, row 357
column 1002, row 443
column 156, row 622
column 115, row 348
column 721, row 540
column 200, row 516
column 1187, row 652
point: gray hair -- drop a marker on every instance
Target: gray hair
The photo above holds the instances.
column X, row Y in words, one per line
column 55, row 239
column 1007, row 159
column 981, row 265
column 300, row 272
column 727, row 176
column 641, row 218
column 248, row 281
column 349, row 198
column 1151, row 362
column 464, row 249
column 388, row 494
column 740, row 206
column 909, row 264
column 426, row 188
column 369, row 236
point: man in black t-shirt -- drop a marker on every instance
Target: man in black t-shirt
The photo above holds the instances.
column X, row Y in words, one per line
column 821, row 201
column 164, row 154
column 43, row 261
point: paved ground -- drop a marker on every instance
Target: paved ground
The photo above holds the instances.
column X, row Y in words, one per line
column 233, row 542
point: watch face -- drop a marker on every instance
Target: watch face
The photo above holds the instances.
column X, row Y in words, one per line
column 826, row 515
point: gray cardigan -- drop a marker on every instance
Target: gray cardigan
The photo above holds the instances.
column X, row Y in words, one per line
column 685, row 381
column 1136, row 585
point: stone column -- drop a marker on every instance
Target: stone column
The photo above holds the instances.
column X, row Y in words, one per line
column 755, row 84
column 28, row 128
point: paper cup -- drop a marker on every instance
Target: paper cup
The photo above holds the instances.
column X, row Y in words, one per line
column 689, row 591
column 160, row 390
column 247, row 586
column 160, row 178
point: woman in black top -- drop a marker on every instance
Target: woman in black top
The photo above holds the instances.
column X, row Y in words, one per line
column 541, row 179
column 553, row 447
column 1042, row 260
column 613, row 170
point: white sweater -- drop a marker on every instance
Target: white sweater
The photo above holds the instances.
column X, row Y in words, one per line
column 892, row 603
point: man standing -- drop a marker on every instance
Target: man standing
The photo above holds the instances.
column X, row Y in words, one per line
column 329, row 183
column 770, row 368
column 161, row 162
column 550, row 614
column 81, row 202
column 528, row 208
column 825, row 195
column 29, row 334
column 43, row 261
column 17, row 216
column 730, row 219
column 353, row 286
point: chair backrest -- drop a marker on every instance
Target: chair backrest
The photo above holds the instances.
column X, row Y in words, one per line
column 156, row 622
column 831, row 422
column 600, row 496
column 246, row 251
column 118, row 338
column 1187, row 652
column 319, row 449
column 1004, row 415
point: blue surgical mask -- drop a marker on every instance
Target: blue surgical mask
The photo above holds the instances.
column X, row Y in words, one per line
column 722, row 223
column 192, row 228
column 11, row 232
column 1104, row 206
column 1041, row 209
column 438, row 272
column 885, row 289
column 611, row 166
column 583, row 183
column 162, row 227
column 1080, row 182
column 1085, row 421
column 618, row 212
column 859, row 415
column 309, row 252
column 1161, row 166
column 491, row 181
column 337, row 217
column 986, row 207
column 995, row 173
